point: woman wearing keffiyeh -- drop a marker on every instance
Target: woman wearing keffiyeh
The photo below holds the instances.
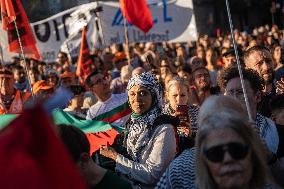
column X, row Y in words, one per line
column 151, row 146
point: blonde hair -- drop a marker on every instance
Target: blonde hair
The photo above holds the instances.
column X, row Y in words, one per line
column 176, row 81
column 231, row 115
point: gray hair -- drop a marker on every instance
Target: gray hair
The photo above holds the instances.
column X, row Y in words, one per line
column 231, row 115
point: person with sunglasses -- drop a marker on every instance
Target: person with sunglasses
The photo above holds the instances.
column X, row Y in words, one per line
column 111, row 108
column 227, row 151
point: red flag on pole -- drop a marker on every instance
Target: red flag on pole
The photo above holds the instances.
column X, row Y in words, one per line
column 8, row 13
column 137, row 13
column 12, row 10
column 33, row 157
column 84, row 60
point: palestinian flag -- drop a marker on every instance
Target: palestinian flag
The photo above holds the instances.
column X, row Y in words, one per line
column 107, row 137
column 98, row 132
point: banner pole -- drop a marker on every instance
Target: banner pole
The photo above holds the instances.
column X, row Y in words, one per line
column 24, row 58
column 238, row 62
column 98, row 20
column 1, row 54
column 126, row 40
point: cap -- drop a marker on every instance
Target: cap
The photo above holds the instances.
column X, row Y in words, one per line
column 41, row 85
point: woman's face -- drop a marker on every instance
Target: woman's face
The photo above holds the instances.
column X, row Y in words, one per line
column 277, row 53
column 178, row 95
column 140, row 99
column 228, row 172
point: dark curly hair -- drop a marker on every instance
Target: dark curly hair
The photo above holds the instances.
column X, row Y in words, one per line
column 256, row 82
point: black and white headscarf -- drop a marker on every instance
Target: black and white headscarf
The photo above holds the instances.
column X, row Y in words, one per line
column 139, row 128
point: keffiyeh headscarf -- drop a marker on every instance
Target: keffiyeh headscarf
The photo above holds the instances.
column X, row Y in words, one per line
column 140, row 126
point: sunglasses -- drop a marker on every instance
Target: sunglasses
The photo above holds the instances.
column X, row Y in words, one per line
column 237, row 151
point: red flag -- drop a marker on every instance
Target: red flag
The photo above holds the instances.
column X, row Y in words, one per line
column 12, row 10
column 33, row 157
column 84, row 61
column 101, row 138
column 7, row 12
column 137, row 13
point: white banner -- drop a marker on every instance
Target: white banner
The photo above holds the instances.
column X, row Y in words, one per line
column 174, row 21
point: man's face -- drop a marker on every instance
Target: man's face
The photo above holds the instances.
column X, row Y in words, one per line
column 6, row 85
column 234, row 89
column 101, row 86
column 262, row 62
column 202, row 79
column 20, row 76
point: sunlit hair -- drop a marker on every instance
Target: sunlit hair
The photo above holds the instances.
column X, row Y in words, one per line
column 256, row 48
column 176, row 81
column 231, row 115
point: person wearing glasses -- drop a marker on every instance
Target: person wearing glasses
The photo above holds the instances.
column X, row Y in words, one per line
column 229, row 153
column 111, row 108
column 230, row 82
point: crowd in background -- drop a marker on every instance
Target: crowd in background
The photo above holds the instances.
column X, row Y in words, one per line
column 159, row 79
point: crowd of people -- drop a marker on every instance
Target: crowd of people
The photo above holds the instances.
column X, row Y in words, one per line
column 186, row 122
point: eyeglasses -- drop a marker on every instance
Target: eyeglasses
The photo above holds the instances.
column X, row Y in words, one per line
column 237, row 151
column 238, row 93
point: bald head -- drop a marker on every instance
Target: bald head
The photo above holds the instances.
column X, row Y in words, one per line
column 138, row 71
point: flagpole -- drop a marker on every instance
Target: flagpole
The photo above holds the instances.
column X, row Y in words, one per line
column 24, row 58
column 1, row 53
column 126, row 40
column 98, row 19
column 238, row 62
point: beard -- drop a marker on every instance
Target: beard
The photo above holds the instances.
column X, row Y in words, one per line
column 205, row 88
column 270, row 78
